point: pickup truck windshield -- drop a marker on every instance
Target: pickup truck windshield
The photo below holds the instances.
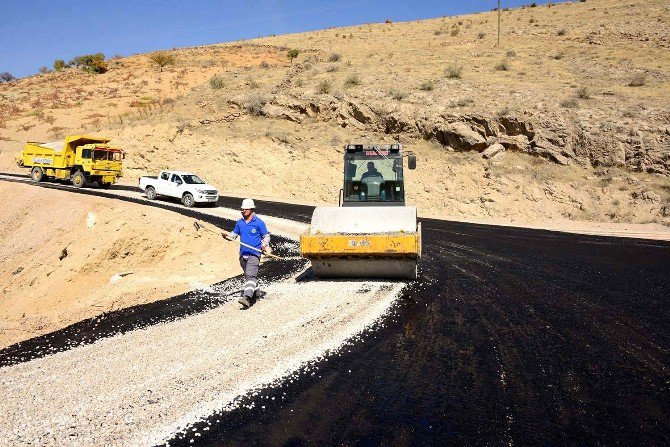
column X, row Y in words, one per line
column 192, row 179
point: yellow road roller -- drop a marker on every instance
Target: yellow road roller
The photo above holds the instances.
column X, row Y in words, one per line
column 372, row 233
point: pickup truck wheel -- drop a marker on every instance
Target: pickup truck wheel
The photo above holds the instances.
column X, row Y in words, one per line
column 37, row 174
column 188, row 200
column 151, row 192
column 78, row 179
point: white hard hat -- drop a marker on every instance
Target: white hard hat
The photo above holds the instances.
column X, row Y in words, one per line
column 248, row 204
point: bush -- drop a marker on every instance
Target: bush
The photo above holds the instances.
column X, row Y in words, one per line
column 427, row 86
column 44, row 69
column 562, row 32
column 162, row 59
column 511, row 53
column 503, row 66
column 352, row 80
column 6, row 76
column 264, row 64
column 638, row 80
column 334, row 57
column 59, row 64
column 454, row 71
column 93, row 63
column 216, row 82
column 481, row 35
column 255, row 104
column 397, row 95
column 584, row 93
column 569, row 104
column 455, row 31
column 324, row 87
column 292, row 54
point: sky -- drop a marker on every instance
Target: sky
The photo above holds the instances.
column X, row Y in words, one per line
column 34, row 33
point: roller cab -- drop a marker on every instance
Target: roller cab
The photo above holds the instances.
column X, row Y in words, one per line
column 372, row 233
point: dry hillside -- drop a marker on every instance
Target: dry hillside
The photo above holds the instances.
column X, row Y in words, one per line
column 577, row 95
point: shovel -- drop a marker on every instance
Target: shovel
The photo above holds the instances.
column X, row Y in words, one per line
column 198, row 226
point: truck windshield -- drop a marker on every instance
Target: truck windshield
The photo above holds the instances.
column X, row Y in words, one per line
column 373, row 178
column 100, row 154
column 192, row 179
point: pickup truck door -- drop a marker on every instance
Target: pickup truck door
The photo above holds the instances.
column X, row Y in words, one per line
column 163, row 183
column 174, row 186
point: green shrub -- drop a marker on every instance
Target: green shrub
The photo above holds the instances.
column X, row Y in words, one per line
column 162, row 59
column 216, row 82
column 93, row 63
column 292, row 54
column 59, row 64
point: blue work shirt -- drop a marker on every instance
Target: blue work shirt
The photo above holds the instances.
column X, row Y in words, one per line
column 250, row 233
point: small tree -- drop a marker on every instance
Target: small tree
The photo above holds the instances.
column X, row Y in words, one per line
column 94, row 63
column 44, row 69
column 59, row 64
column 6, row 76
column 162, row 59
column 292, row 54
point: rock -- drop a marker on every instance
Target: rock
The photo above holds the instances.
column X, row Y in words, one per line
column 460, row 136
column 493, row 150
column 273, row 111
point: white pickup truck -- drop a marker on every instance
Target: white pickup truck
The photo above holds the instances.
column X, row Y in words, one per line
column 187, row 187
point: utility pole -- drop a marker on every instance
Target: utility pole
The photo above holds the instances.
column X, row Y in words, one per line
column 499, row 12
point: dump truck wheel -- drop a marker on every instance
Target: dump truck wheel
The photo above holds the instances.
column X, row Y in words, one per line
column 105, row 185
column 188, row 200
column 151, row 192
column 37, row 174
column 78, row 179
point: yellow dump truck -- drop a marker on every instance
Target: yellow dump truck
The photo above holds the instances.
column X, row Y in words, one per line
column 80, row 159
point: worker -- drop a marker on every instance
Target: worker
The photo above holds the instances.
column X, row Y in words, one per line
column 252, row 232
column 372, row 171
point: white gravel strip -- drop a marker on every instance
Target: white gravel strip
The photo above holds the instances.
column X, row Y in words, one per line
column 144, row 387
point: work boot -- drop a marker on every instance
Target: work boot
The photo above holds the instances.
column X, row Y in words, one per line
column 244, row 301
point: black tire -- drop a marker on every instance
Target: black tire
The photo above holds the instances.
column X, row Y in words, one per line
column 37, row 174
column 151, row 192
column 187, row 200
column 78, row 179
column 105, row 185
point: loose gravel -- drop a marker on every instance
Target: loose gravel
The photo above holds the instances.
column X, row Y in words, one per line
column 143, row 387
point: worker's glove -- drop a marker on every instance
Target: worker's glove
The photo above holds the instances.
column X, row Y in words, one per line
column 267, row 250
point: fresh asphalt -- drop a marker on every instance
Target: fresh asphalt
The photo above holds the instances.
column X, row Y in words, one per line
column 510, row 336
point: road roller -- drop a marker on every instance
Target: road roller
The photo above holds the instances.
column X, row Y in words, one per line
column 372, row 233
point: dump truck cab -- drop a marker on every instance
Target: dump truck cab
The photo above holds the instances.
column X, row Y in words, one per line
column 373, row 175
column 80, row 158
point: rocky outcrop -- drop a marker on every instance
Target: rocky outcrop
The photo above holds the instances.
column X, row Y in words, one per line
column 553, row 136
